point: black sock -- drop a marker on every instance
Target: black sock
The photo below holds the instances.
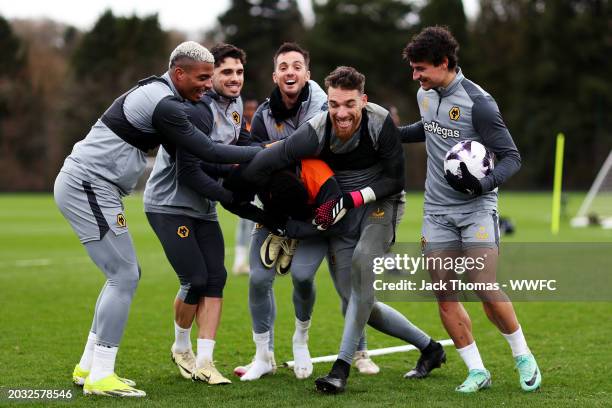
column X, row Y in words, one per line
column 431, row 347
column 340, row 369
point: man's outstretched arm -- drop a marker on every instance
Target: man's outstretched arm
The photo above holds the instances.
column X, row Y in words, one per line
column 301, row 144
column 172, row 123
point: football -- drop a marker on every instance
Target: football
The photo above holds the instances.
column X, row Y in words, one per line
column 477, row 158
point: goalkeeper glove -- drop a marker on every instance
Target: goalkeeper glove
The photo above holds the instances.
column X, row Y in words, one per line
column 467, row 183
column 332, row 211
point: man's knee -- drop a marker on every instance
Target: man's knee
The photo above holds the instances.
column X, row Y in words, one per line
column 362, row 276
column 364, row 296
column 303, row 279
column 187, row 295
column 261, row 278
column 376, row 313
column 125, row 280
column 361, row 261
column 216, row 284
column 197, row 286
column 131, row 277
column 303, row 290
column 115, row 256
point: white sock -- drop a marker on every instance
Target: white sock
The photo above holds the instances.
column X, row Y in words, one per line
column 87, row 357
column 103, row 363
column 240, row 255
column 262, row 364
column 517, row 343
column 471, row 357
column 301, row 359
column 205, row 351
column 262, row 342
column 182, row 339
column 300, row 336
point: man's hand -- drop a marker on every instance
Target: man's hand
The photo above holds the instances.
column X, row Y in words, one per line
column 467, row 183
column 241, row 189
column 233, row 181
column 276, row 225
column 244, row 209
column 244, row 196
column 332, row 211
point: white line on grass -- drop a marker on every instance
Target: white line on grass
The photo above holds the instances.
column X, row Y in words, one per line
column 33, row 262
column 28, row 263
column 375, row 352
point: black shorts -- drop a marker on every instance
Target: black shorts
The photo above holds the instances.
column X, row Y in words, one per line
column 196, row 251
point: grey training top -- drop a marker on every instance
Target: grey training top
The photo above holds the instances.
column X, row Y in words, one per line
column 461, row 111
column 166, row 191
column 154, row 109
column 265, row 128
column 105, row 157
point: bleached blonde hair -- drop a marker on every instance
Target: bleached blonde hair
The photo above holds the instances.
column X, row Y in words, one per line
column 190, row 50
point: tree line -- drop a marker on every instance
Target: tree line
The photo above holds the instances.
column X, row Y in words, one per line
column 546, row 62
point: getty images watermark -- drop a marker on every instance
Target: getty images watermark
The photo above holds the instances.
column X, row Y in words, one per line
column 458, row 265
column 517, row 272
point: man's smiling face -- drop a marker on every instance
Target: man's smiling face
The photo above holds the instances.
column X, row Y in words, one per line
column 291, row 73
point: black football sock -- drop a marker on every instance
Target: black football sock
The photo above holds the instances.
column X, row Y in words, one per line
column 431, row 347
column 340, row 369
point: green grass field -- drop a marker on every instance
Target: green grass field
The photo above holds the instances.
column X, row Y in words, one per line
column 48, row 288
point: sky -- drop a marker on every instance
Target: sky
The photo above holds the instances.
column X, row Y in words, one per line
column 83, row 14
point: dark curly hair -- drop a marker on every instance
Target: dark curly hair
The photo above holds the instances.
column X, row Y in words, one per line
column 222, row 51
column 286, row 196
column 347, row 78
column 432, row 44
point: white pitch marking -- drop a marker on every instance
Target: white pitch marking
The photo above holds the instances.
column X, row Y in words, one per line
column 375, row 352
column 33, row 262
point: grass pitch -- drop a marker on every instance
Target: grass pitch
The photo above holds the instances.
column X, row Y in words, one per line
column 48, row 288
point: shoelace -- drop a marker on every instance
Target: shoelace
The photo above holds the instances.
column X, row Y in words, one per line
column 210, row 367
column 475, row 376
column 522, row 365
column 480, row 376
column 185, row 354
column 287, row 247
column 276, row 240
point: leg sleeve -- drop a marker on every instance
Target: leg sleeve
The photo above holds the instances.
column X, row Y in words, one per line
column 307, row 259
column 115, row 257
column 339, row 264
column 261, row 279
column 377, row 232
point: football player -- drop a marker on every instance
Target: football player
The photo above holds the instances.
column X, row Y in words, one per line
column 460, row 214
column 103, row 168
column 180, row 200
column 359, row 142
column 294, row 100
column 244, row 226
